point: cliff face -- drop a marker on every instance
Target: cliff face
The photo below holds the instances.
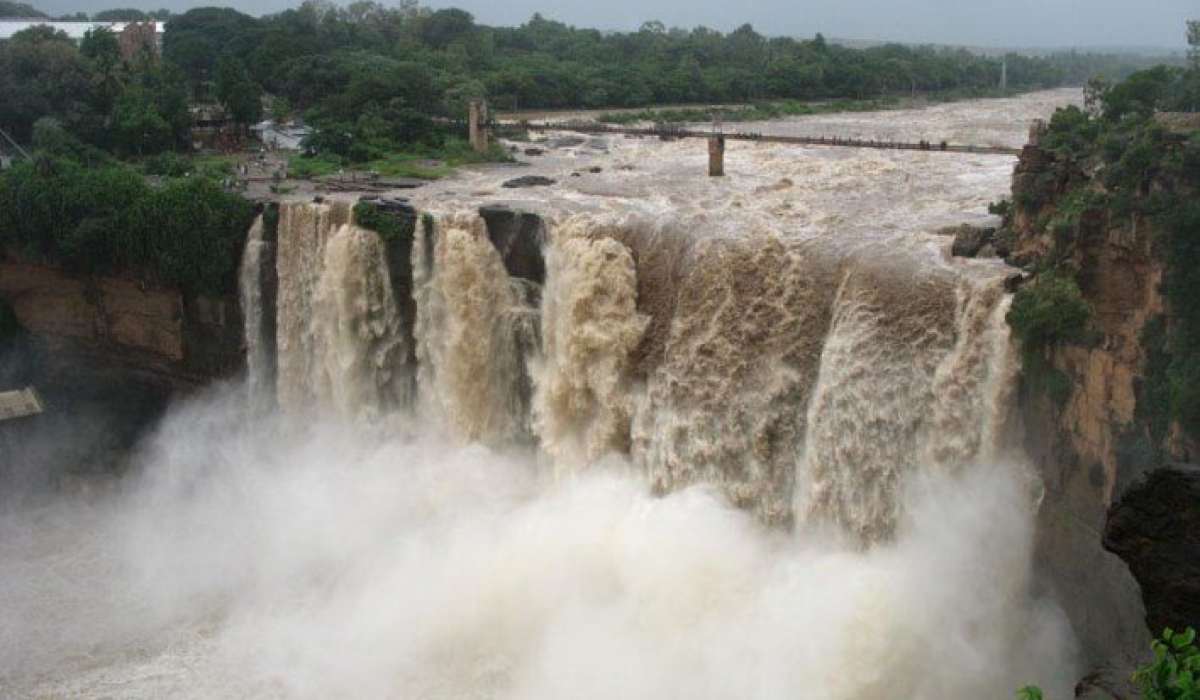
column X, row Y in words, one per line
column 1096, row 482
column 112, row 350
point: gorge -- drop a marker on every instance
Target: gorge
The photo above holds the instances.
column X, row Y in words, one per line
column 641, row 434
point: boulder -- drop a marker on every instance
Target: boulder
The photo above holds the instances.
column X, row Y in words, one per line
column 1004, row 241
column 568, row 141
column 518, row 236
column 970, row 240
column 1155, row 528
column 528, row 181
column 391, row 205
column 1014, row 281
column 532, row 151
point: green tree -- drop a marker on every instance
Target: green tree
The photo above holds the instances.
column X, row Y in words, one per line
column 121, row 14
column 138, row 127
column 1175, row 672
column 238, row 92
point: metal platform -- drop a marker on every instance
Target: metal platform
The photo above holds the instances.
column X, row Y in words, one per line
column 21, row 403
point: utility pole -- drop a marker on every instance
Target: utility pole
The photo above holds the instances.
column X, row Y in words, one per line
column 1004, row 74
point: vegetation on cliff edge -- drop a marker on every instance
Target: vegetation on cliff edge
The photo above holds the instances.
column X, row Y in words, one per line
column 186, row 233
column 1120, row 164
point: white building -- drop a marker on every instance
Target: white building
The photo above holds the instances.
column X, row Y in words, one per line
column 73, row 28
column 286, row 137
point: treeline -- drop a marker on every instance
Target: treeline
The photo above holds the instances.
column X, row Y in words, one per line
column 371, row 78
column 364, row 51
column 20, row 10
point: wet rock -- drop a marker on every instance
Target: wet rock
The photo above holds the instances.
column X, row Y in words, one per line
column 528, row 181
column 1014, row 281
column 1004, row 241
column 518, row 236
column 1155, row 528
column 970, row 240
column 533, row 151
column 778, row 186
column 987, row 251
column 576, row 174
column 1107, row 683
column 318, row 199
column 390, row 205
column 595, row 169
column 569, row 141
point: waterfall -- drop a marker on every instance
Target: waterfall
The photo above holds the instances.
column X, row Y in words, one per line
column 807, row 382
column 260, row 360
column 473, row 331
column 340, row 337
column 914, row 376
column 591, row 326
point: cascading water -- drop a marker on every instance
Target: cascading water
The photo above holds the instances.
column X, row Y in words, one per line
column 591, row 326
column 471, row 319
column 340, row 338
column 260, row 360
column 816, row 411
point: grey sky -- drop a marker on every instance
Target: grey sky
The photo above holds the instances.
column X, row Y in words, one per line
column 1011, row 23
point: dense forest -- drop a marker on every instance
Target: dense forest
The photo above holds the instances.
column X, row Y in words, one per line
column 368, row 73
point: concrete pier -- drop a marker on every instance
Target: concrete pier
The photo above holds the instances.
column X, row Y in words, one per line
column 477, row 131
column 716, row 156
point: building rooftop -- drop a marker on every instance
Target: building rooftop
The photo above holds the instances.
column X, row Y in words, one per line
column 73, row 28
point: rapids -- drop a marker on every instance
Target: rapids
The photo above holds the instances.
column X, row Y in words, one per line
column 749, row 437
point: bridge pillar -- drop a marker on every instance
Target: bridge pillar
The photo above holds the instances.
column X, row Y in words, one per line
column 477, row 131
column 716, row 156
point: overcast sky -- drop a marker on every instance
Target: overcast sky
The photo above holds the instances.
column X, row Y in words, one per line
column 1008, row 23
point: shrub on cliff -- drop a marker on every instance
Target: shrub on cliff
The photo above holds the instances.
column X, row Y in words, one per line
column 186, row 234
column 1175, row 672
column 1049, row 311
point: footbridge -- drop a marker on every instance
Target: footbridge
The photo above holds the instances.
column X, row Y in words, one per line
column 479, row 127
column 671, row 133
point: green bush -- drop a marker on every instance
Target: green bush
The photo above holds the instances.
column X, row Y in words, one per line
column 168, row 164
column 1045, row 313
column 391, row 228
column 1049, row 311
column 1175, row 672
column 188, row 233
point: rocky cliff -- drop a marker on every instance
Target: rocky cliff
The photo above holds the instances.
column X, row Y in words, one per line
column 1102, row 465
column 107, row 353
